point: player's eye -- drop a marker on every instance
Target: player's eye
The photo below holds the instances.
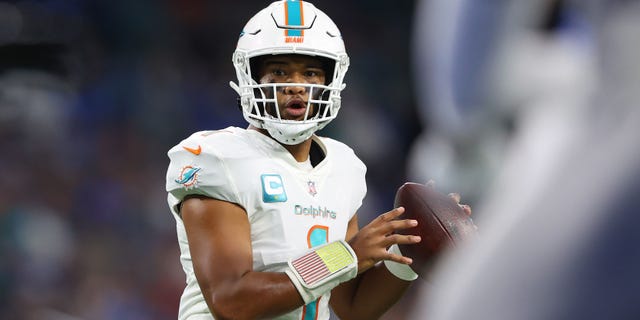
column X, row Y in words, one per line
column 278, row 72
column 312, row 73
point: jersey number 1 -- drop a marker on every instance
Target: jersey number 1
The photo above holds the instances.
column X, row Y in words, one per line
column 316, row 236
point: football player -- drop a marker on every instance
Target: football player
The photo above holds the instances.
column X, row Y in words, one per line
column 266, row 216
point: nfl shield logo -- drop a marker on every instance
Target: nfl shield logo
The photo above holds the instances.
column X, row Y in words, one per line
column 312, row 188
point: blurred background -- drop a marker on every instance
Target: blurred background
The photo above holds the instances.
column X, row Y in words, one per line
column 92, row 96
column 490, row 98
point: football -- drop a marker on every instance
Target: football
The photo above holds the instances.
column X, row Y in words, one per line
column 442, row 223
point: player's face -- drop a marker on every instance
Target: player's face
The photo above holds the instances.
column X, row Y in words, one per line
column 292, row 69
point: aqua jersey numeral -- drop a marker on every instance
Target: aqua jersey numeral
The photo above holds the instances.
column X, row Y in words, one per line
column 316, row 236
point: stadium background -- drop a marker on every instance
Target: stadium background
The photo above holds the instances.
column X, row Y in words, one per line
column 93, row 94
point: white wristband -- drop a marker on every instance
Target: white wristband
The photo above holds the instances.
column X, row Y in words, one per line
column 322, row 269
column 402, row 271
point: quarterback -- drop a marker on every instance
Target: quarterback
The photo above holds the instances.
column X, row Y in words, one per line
column 266, row 215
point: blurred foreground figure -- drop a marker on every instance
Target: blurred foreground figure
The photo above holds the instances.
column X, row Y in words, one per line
column 558, row 243
column 503, row 83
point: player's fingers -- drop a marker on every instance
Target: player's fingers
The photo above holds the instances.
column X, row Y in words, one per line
column 396, row 225
column 466, row 208
column 390, row 215
column 455, row 196
column 399, row 259
column 401, row 239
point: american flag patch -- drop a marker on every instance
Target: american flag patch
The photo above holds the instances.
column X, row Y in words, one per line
column 322, row 262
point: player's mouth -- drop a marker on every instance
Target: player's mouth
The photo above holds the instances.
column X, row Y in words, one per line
column 295, row 109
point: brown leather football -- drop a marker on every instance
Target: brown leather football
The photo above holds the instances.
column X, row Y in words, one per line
column 441, row 223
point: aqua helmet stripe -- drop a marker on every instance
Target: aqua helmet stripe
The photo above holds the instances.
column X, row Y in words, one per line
column 293, row 17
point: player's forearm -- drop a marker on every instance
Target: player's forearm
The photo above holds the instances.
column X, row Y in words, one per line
column 369, row 295
column 255, row 295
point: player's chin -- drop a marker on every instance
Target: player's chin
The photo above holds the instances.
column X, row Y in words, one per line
column 292, row 117
column 289, row 118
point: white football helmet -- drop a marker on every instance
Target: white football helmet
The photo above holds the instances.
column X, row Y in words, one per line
column 290, row 27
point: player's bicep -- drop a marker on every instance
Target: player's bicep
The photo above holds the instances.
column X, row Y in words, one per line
column 219, row 241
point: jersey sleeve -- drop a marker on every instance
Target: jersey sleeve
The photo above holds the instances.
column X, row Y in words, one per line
column 196, row 169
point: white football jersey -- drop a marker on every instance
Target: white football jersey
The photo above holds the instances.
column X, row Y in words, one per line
column 290, row 207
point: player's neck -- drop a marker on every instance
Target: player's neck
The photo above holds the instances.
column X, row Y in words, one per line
column 300, row 151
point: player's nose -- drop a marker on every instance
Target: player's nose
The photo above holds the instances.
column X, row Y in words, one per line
column 295, row 79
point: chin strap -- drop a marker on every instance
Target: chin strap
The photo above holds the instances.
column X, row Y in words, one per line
column 291, row 133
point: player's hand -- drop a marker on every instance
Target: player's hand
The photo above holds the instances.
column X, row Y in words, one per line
column 456, row 196
column 371, row 242
column 465, row 207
